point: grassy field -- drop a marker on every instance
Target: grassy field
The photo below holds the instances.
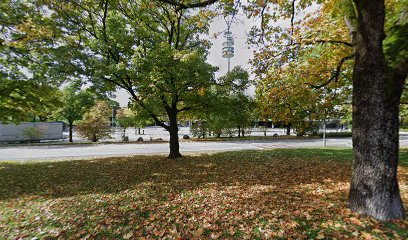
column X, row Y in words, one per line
column 287, row 193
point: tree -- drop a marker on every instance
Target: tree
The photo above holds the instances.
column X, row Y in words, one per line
column 126, row 118
column 150, row 49
column 238, row 107
column 379, row 74
column 199, row 128
column 227, row 107
column 96, row 125
column 303, row 74
column 232, row 112
column 177, row 82
column 242, row 112
column 23, row 99
column 27, row 85
column 76, row 103
column 285, row 96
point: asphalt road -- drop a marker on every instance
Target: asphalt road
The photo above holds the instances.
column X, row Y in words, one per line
column 47, row 152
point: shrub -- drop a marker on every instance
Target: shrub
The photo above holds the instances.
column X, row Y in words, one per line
column 96, row 125
column 307, row 128
column 33, row 133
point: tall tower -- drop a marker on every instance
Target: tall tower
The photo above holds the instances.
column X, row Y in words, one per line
column 228, row 47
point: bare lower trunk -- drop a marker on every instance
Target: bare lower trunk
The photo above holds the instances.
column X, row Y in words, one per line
column 239, row 131
column 288, row 130
column 70, row 131
column 374, row 187
column 174, row 140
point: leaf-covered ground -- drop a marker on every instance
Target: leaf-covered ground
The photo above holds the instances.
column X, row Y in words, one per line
column 287, row 193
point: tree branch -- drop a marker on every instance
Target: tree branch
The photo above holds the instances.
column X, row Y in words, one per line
column 142, row 105
column 114, row 82
column 335, row 75
column 329, row 41
column 178, row 27
column 105, row 14
column 263, row 21
column 292, row 24
column 189, row 5
column 184, row 109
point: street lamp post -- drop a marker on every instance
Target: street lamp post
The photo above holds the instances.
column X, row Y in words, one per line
column 324, row 133
column 113, row 114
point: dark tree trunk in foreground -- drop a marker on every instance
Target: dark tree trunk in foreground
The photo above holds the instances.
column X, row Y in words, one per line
column 376, row 95
column 174, row 140
column 70, row 131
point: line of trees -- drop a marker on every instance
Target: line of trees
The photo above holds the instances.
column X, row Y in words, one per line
column 153, row 50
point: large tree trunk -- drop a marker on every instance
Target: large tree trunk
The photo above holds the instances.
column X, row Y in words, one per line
column 70, row 131
column 288, row 130
column 374, row 187
column 174, row 140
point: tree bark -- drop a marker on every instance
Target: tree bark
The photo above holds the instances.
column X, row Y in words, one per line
column 374, row 188
column 70, row 131
column 239, row 131
column 94, row 138
column 288, row 130
column 174, row 140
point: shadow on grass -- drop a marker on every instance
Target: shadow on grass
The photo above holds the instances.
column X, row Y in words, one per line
column 281, row 167
column 291, row 191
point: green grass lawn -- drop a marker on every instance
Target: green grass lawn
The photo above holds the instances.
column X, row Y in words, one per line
column 296, row 193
